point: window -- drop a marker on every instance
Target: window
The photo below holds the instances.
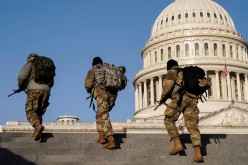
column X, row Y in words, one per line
column 220, row 16
column 194, row 14
column 162, row 54
column 169, row 52
column 172, row 18
column 178, row 51
column 231, row 52
column 187, row 50
column 201, row 14
column 208, row 14
column 237, row 50
column 196, row 49
column 179, row 16
column 206, row 49
column 215, row 16
column 186, row 15
column 215, row 50
column 150, row 56
column 156, row 58
column 224, row 50
column 225, row 18
column 166, row 20
column 161, row 22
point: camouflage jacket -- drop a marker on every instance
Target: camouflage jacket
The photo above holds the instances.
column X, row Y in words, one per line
column 171, row 77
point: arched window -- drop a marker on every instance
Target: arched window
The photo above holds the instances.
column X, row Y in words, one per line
column 215, row 16
column 169, row 52
column 178, row 51
column 186, row 15
column 224, row 50
column 179, row 16
column 196, row 49
column 237, row 50
column 208, row 14
column 215, row 50
column 150, row 58
column 172, row 18
column 201, row 14
column 231, row 52
column 187, row 50
column 220, row 16
column 156, row 58
column 194, row 14
column 206, row 49
column 166, row 20
column 162, row 54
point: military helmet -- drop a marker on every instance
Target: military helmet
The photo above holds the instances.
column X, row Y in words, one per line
column 96, row 60
column 171, row 63
column 32, row 56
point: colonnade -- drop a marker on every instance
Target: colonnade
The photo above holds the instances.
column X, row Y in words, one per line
column 232, row 87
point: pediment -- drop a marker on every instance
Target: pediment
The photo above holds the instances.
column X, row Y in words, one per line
column 232, row 115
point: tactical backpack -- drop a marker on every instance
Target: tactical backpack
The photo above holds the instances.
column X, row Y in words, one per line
column 110, row 77
column 44, row 70
column 192, row 79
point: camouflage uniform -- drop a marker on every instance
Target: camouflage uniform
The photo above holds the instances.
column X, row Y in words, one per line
column 190, row 113
column 36, row 104
column 188, row 107
column 105, row 102
column 37, row 94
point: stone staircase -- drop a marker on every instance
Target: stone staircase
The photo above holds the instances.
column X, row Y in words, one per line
column 140, row 149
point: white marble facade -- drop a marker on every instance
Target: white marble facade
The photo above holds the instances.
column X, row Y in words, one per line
column 193, row 32
column 202, row 33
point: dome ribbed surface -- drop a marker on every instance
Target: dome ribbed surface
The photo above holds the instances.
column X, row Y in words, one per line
column 186, row 14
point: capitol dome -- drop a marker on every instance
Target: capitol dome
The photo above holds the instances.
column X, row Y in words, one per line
column 193, row 32
column 184, row 14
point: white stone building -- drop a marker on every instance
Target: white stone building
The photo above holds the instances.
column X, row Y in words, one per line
column 193, row 32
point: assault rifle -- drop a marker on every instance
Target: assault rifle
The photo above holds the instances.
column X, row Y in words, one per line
column 159, row 103
column 91, row 100
column 17, row 91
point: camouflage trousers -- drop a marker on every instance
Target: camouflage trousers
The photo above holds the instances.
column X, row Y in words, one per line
column 190, row 113
column 105, row 104
column 36, row 104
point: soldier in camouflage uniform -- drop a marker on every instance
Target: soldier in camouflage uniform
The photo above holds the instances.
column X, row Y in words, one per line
column 105, row 101
column 185, row 103
column 37, row 96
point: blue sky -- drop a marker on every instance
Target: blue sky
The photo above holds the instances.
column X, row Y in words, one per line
column 72, row 33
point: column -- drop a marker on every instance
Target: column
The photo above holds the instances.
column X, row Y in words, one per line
column 229, row 91
column 145, row 93
column 140, row 96
column 217, row 78
column 160, row 86
column 246, row 88
column 136, row 98
column 206, row 73
column 152, row 91
column 233, row 89
column 224, row 87
column 238, row 86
